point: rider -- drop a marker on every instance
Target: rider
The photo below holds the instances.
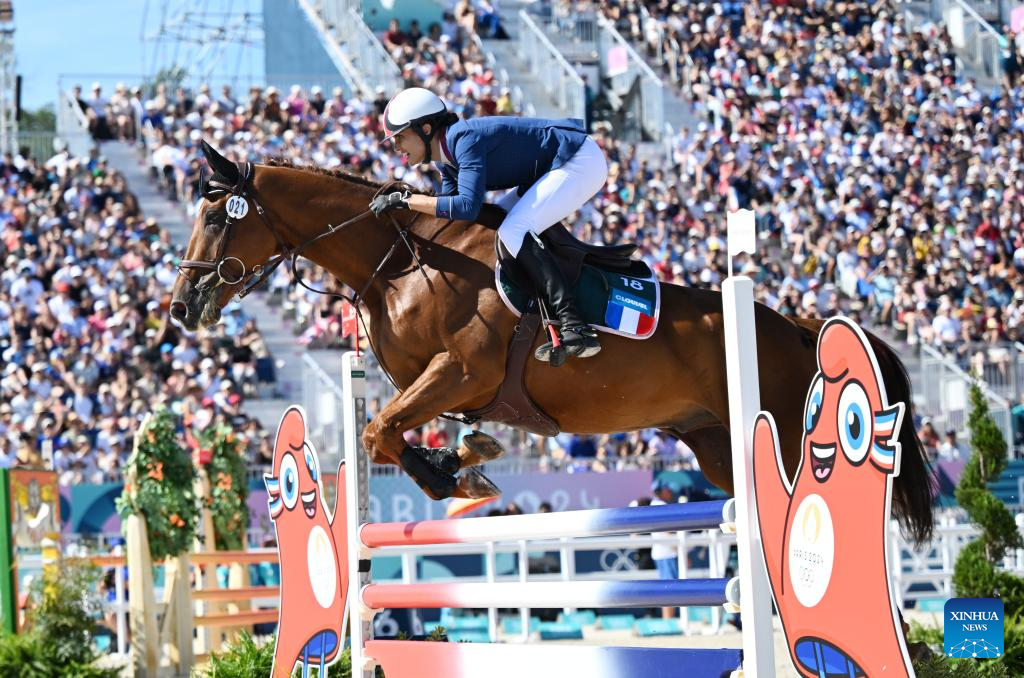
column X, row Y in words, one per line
column 551, row 166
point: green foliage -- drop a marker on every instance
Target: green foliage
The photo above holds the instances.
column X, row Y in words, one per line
column 932, row 636
column 43, row 119
column 228, row 487
column 57, row 639
column 246, row 657
column 940, row 666
column 159, row 486
column 243, row 658
column 65, row 606
column 976, row 573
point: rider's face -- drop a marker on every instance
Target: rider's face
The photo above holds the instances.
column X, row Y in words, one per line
column 409, row 144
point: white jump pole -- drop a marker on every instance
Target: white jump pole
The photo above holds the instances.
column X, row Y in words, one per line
column 357, row 480
column 744, row 404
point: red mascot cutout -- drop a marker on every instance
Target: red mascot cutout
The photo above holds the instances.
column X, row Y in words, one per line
column 311, row 632
column 825, row 535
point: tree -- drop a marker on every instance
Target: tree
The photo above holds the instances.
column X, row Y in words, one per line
column 977, row 573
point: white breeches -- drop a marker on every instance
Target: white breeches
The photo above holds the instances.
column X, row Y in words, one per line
column 554, row 196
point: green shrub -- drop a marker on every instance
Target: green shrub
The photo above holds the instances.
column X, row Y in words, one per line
column 229, row 488
column 246, row 658
column 159, row 486
column 57, row 640
column 976, row 573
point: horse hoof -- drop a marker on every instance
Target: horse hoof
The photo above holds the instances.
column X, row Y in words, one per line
column 475, row 485
column 479, row 448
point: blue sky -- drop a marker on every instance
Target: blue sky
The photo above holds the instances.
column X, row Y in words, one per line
column 88, row 40
column 54, row 37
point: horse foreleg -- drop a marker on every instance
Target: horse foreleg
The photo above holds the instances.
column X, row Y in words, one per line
column 441, row 387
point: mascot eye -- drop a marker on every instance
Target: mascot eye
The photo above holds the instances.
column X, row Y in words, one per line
column 814, row 404
column 289, row 481
column 854, row 422
column 314, row 472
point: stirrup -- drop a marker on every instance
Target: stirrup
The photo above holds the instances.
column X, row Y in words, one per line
column 581, row 342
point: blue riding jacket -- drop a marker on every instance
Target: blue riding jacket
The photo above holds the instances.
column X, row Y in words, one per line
column 500, row 152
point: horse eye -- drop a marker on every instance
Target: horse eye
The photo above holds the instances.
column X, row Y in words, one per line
column 213, row 220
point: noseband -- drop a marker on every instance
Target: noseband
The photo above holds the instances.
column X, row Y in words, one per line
column 242, row 193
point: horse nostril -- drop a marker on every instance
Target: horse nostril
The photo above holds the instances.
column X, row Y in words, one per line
column 179, row 310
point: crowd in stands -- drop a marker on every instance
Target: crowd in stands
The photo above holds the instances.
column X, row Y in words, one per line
column 85, row 347
column 887, row 185
column 891, row 186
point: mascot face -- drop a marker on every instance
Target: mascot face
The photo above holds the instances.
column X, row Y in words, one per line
column 294, row 487
column 846, row 421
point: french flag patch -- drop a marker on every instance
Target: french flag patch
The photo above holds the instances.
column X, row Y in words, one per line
column 629, row 314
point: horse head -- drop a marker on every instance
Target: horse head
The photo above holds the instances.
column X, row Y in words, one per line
column 229, row 249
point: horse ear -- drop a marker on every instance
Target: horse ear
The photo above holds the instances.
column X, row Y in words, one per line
column 221, row 165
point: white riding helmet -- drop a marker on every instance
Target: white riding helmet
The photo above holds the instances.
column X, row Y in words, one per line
column 413, row 106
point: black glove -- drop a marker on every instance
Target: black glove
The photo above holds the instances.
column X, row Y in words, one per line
column 388, row 202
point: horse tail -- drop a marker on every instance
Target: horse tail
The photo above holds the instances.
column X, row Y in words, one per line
column 915, row 486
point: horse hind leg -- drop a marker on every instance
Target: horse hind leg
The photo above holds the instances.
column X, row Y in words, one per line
column 478, row 448
column 713, row 448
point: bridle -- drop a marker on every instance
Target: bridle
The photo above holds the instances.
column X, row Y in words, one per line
column 246, row 191
column 243, row 192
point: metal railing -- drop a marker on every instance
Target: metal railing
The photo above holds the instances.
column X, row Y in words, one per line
column 563, row 84
column 582, row 32
column 652, row 90
column 353, row 47
column 576, row 23
column 72, row 124
column 979, row 44
column 945, row 390
column 666, row 48
column 39, row 143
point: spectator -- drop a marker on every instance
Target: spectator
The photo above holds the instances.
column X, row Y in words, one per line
column 948, row 450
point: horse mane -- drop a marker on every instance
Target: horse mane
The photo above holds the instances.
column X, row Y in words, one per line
column 347, row 175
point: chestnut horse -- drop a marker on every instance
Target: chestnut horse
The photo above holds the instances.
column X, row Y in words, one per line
column 439, row 328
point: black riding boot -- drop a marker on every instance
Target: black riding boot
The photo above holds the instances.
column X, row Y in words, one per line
column 577, row 337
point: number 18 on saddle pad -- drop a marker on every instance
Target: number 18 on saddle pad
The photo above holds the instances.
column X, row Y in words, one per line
column 610, row 301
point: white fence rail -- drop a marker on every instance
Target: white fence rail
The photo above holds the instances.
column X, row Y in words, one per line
column 72, row 125
column 917, row 575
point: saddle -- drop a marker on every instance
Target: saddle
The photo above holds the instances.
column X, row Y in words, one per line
column 570, row 252
column 513, row 405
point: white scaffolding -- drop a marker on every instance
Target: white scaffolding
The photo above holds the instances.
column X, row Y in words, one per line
column 8, row 80
column 212, row 41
